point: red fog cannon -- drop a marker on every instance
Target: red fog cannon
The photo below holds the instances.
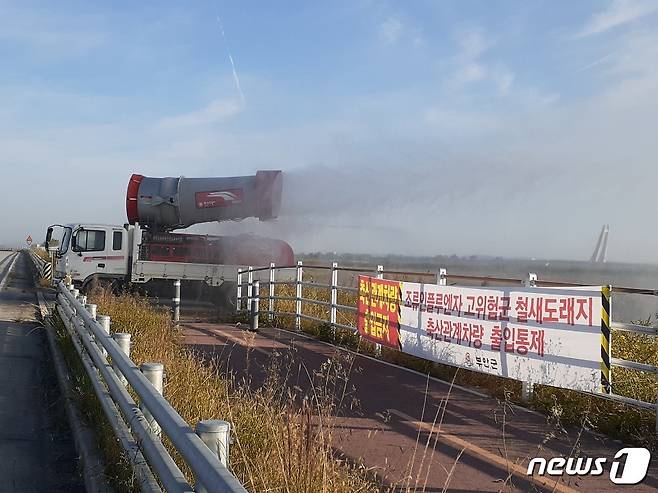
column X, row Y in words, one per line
column 164, row 204
column 161, row 205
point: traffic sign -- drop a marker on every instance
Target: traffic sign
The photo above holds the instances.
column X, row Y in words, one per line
column 29, row 239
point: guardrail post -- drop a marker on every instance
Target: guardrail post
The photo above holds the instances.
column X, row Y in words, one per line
column 270, row 305
column 298, row 296
column 334, row 296
column 216, row 434
column 91, row 308
column 527, row 388
column 75, row 293
column 123, row 341
column 255, row 298
column 104, row 321
column 238, row 301
column 154, row 373
column 176, row 300
column 442, row 278
column 380, row 275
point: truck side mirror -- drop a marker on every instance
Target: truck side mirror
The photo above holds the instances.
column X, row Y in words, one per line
column 49, row 235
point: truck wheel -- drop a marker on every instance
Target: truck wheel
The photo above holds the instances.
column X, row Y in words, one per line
column 97, row 282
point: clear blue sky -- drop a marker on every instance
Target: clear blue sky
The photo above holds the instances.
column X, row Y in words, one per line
column 490, row 127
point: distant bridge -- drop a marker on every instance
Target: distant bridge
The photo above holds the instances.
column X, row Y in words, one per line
column 601, row 250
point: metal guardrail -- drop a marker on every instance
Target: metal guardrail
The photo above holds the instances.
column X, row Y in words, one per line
column 253, row 299
column 205, row 452
column 44, row 267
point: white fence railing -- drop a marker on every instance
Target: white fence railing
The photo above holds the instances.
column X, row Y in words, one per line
column 139, row 425
column 273, row 276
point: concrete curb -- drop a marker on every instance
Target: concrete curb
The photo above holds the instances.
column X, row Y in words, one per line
column 93, row 470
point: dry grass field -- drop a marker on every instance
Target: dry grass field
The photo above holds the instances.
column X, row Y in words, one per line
column 281, row 444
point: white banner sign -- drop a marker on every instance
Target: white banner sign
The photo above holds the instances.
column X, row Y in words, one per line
column 541, row 335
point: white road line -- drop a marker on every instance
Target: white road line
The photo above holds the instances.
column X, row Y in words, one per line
column 461, row 444
column 243, row 342
column 4, row 259
column 3, row 282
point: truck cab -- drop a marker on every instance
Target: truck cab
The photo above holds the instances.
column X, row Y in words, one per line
column 91, row 251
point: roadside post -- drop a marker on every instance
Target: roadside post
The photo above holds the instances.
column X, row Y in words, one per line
column 380, row 275
column 527, row 387
column 176, row 300
column 298, row 296
column 255, row 298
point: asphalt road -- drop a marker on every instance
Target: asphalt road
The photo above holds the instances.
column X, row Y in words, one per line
column 36, row 448
column 417, row 433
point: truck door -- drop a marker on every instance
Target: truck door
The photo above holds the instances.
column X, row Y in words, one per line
column 98, row 251
column 88, row 248
column 117, row 259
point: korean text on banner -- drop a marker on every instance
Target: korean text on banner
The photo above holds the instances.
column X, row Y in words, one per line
column 379, row 311
column 549, row 336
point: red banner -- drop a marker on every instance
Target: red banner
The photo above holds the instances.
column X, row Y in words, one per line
column 379, row 311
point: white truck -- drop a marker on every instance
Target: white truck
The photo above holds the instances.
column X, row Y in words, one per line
column 151, row 254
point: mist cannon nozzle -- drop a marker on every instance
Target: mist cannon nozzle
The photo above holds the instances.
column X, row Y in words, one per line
column 172, row 203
